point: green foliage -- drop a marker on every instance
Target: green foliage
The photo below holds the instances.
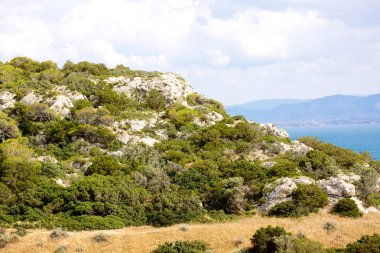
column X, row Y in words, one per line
column 283, row 168
column 343, row 157
column 183, row 247
column 103, row 165
column 305, row 199
column 366, row 244
column 291, row 244
column 263, row 240
column 347, row 207
column 8, row 128
column 318, row 165
column 155, row 100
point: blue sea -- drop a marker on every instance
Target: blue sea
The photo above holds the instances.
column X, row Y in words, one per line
column 364, row 137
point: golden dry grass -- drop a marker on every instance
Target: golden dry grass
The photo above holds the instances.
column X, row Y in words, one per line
column 220, row 236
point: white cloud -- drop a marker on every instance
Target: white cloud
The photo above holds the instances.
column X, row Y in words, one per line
column 217, row 57
column 295, row 48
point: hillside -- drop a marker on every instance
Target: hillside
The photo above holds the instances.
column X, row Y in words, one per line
column 327, row 110
column 85, row 147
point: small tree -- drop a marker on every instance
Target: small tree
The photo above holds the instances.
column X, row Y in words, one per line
column 264, row 239
column 347, row 207
column 183, row 247
column 155, row 100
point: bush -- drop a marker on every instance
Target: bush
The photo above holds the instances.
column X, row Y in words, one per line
column 183, row 247
column 263, row 240
column 100, row 238
column 366, row 244
column 305, row 199
column 291, row 244
column 58, row 233
column 155, row 100
column 329, row 227
column 347, row 207
column 20, row 231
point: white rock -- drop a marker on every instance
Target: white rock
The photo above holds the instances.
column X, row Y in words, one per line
column 362, row 208
column 123, row 137
column 62, row 104
column 7, row 100
column 282, row 190
column 116, row 153
column 31, row 98
column 337, row 188
column 61, row 182
column 137, row 125
column 148, row 141
column 303, row 180
column 46, row 159
column 72, row 95
column 350, row 177
column 272, row 130
column 171, row 86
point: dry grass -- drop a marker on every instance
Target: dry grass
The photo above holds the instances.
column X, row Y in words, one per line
column 221, row 236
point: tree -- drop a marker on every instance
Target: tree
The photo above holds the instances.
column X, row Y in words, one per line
column 18, row 168
column 8, row 128
column 263, row 240
column 155, row 100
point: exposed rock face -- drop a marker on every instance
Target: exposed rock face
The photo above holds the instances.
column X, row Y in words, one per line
column 61, row 105
column 171, row 86
column 362, row 208
column 281, row 190
column 31, row 98
column 272, row 130
column 294, row 147
column 72, row 95
column 7, row 100
column 47, row 159
column 337, row 188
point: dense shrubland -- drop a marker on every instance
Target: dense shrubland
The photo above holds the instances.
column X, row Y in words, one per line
column 196, row 172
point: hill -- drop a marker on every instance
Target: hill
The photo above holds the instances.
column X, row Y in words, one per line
column 327, row 110
column 86, row 147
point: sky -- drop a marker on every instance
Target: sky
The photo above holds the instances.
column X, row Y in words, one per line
column 230, row 50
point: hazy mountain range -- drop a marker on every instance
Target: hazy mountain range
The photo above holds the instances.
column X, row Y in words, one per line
column 337, row 109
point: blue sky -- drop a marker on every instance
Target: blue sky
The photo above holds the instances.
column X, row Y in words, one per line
column 233, row 51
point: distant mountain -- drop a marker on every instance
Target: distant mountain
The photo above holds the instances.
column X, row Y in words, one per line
column 337, row 109
column 266, row 104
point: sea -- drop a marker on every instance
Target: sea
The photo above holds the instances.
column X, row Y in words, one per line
column 359, row 137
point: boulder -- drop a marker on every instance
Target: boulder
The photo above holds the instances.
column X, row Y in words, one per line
column 31, row 98
column 61, row 105
column 47, row 159
column 7, row 100
column 337, row 188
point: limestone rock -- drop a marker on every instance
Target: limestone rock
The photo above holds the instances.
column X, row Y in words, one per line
column 61, row 105
column 281, row 190
column 116, row 153
column 350, row 177
column 272, row 130
column 337, row 188
column 171, row 86
column 7, row 100
column 31, row 98
column 362, row 208
column 47, row 159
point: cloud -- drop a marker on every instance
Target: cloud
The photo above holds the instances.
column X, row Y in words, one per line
column 230, row 50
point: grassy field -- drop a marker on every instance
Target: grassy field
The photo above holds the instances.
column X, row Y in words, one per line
column 221, row 236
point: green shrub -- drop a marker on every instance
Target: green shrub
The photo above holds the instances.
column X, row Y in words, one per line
column 263, row 240
column 366, row 244
column 291, row 244
column 155, row 100
column 183, row 247
column 347, row 207
column 305, row 199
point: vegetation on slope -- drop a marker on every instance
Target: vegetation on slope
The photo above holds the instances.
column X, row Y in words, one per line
column 195, row 171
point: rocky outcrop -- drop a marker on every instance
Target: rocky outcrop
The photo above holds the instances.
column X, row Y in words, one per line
column 281, row 190
column 294, row 147
column 7, row 100
column 31, row 98
column 337, row 188
column 172, row 86
column 61, row 105
column 272, row 130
